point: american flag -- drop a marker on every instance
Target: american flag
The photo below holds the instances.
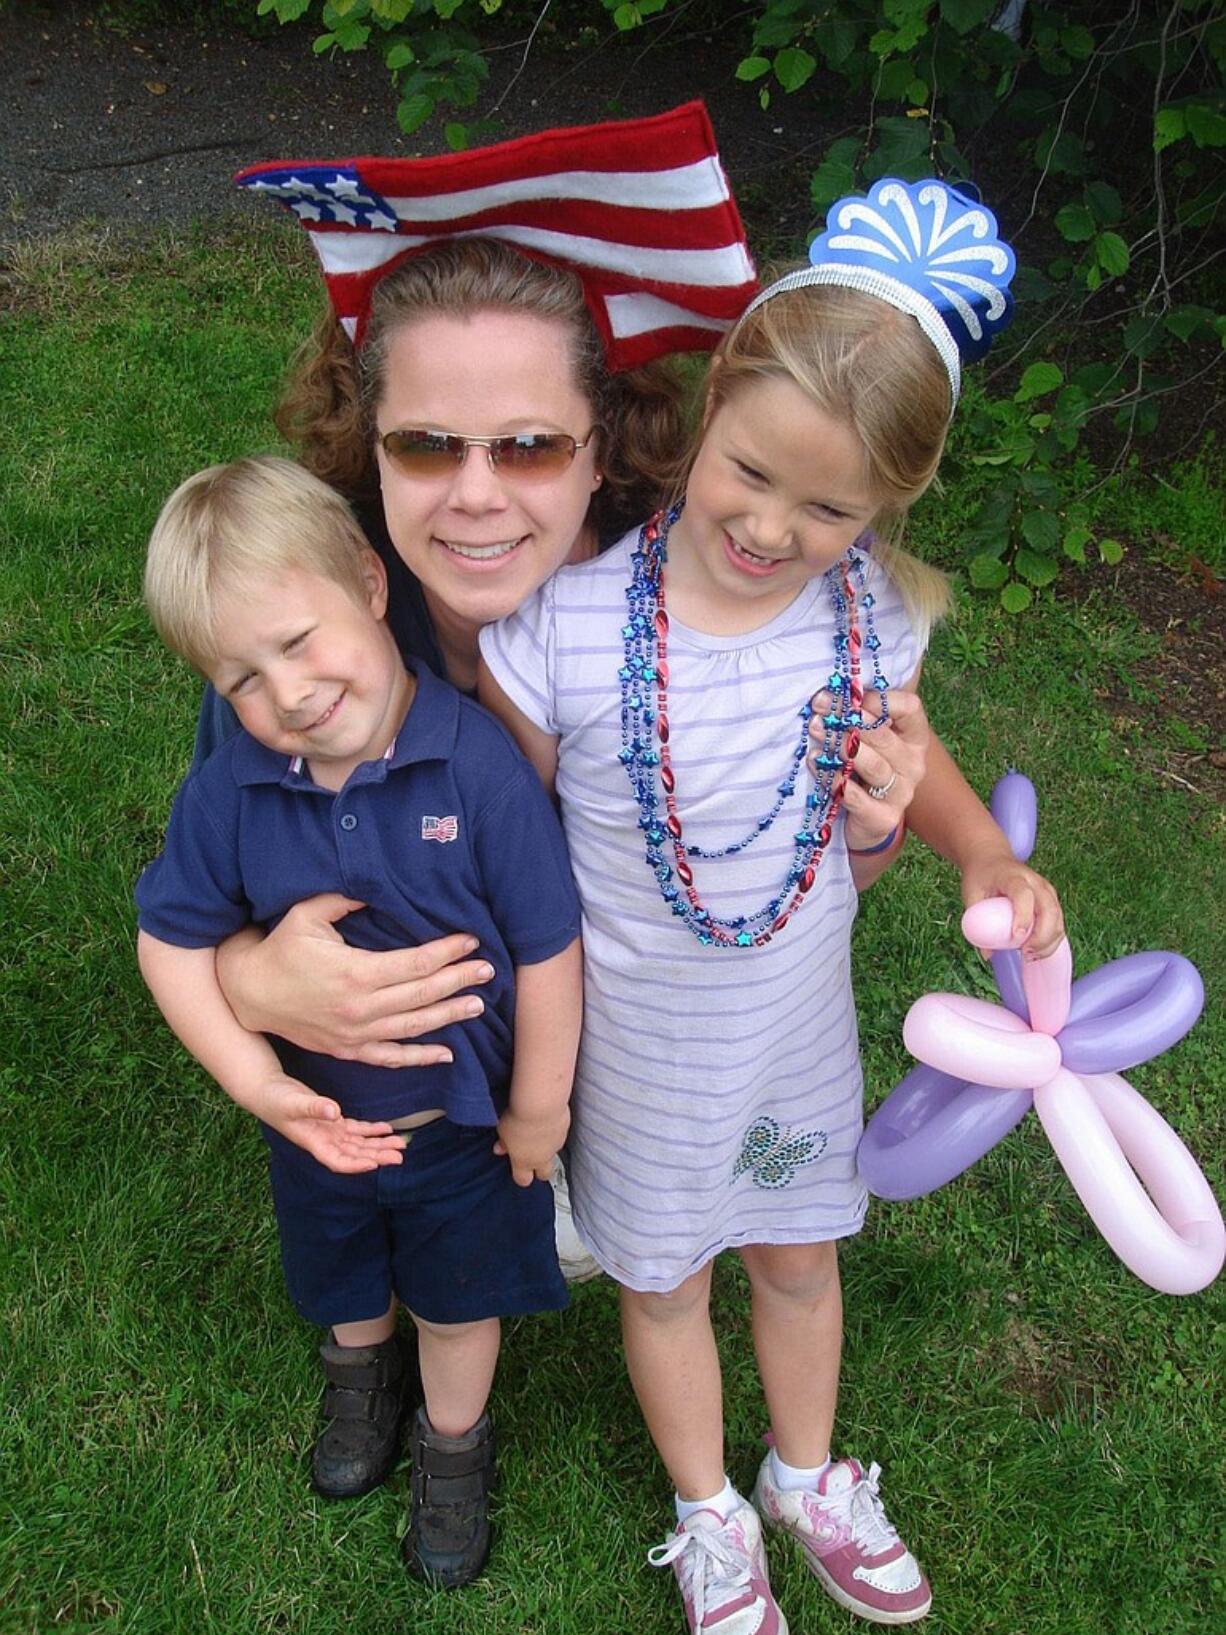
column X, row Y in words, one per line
column 640, row 209
column 440, row 828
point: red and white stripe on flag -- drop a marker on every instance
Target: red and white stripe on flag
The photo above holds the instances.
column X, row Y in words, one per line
column 640, row 209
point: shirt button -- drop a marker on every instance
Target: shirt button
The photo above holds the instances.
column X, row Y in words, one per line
column 349, row 821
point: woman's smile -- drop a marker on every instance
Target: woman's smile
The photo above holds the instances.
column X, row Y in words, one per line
column 481, row 553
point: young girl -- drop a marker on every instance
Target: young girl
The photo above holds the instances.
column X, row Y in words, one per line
column 718, row 1099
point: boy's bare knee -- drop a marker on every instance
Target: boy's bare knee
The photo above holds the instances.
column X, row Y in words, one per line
column 454, row 1333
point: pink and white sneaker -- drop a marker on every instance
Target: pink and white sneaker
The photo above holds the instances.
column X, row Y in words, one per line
column 721, row 1568
column 849, row 1542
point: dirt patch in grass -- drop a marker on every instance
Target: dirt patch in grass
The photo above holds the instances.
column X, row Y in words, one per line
column 1048, row 1377
column 1183, row 604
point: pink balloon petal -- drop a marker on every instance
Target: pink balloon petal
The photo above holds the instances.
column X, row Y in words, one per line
column 1142, row 1187
column 979, row 1042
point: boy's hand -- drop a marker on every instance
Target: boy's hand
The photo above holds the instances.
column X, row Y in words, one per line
column 350, row 1146
column 531, row 1143
column 1036, row 908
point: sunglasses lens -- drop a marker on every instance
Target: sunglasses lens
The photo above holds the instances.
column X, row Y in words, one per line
column 533, row 454
column 424, row 453
column 529, row 455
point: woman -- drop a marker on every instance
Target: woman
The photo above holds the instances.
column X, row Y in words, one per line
column 472, row 335
column 484, row 441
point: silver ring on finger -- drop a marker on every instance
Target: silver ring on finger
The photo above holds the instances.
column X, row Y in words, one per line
column 878, row 791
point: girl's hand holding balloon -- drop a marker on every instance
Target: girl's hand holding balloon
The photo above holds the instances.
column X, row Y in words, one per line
column 1037, row 915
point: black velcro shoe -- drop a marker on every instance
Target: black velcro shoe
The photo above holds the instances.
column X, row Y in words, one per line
column 370, row 1388
column 448, row 1537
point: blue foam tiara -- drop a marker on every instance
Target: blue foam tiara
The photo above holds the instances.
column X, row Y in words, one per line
column 924, row 248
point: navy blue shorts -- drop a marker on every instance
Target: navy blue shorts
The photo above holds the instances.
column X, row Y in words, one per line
column 447, row 1231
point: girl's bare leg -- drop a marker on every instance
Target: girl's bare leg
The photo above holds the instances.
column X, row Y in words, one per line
column 798, row 1337
column 674, row 1368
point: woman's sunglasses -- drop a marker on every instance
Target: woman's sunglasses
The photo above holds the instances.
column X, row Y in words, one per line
column 533, row 456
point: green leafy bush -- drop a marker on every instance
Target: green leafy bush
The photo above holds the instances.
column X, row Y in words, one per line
column 1116, row 117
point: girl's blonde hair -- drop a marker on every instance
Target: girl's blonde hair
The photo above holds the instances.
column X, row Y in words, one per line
column 865, row 363
column 232, row 524
column 332, row 394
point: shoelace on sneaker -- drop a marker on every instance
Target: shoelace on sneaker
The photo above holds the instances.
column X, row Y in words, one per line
column 717, row 1570
column 860, row 1509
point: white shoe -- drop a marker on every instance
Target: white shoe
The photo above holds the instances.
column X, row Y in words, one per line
column 577, row 1264
column 849, row 1543
column 721, row 1572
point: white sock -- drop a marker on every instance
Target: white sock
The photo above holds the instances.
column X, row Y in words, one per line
column 792, row 1477
column 724, row 1503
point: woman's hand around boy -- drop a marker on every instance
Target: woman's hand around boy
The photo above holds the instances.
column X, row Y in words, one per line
column 531, row 1142
column 303, row 982
column 350, row 1146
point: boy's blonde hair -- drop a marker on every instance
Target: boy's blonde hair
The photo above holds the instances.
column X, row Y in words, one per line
column 231, row 524
column 865, row 363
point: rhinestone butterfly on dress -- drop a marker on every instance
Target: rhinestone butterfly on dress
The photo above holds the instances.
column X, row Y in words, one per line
column 774, row 1154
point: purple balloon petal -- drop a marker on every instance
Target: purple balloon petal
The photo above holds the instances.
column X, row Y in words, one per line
column 1015, row 806
column 1007, row 968
column 930, row 1128
column 1129, row 1011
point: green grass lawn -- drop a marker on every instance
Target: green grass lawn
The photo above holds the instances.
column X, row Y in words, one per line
column 1051, row 1429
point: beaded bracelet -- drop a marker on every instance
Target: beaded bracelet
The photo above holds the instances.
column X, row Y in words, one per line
column 881, row 846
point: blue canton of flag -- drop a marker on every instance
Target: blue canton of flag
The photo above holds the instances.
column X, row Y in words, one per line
column 326, row 193
column 440, row 828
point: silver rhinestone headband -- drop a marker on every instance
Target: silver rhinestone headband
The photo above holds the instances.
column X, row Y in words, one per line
column 870, row 282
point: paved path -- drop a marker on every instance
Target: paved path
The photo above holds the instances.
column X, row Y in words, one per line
column 145, row 128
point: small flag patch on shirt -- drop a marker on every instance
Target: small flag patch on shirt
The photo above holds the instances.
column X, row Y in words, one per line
column 440, row 828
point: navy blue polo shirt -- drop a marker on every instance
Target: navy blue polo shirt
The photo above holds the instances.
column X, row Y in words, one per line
column 453, row 832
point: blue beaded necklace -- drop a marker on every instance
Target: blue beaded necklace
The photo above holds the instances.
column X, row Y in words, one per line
column 646, row 755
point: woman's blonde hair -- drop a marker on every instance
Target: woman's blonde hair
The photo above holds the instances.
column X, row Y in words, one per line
column 232, row 524
column 870, row 366
column 329, row 403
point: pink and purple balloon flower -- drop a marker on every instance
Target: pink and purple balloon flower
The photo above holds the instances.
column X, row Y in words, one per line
column 1059, row 1046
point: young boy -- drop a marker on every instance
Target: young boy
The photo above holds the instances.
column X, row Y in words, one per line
column 355, row 775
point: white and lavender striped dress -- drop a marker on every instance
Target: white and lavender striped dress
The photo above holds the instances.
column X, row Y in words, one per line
column 718, row 1095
